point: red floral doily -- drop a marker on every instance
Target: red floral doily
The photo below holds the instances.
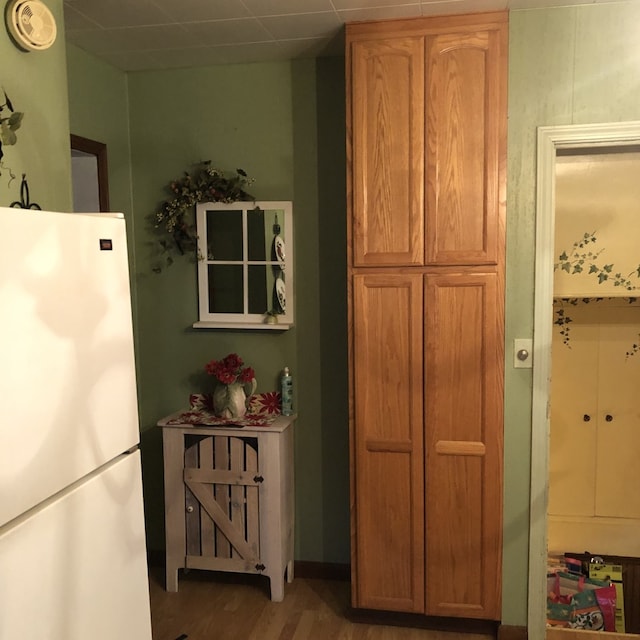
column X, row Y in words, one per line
column 262, row 410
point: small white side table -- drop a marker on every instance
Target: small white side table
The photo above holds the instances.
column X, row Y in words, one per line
column 229, row 500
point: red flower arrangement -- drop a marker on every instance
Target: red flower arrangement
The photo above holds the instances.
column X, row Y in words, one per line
column 230, row 370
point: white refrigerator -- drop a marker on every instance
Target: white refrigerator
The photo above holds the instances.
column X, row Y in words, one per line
column 72, row 544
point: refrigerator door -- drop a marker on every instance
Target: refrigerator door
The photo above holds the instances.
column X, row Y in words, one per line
column 75, row 567
column 67, row 380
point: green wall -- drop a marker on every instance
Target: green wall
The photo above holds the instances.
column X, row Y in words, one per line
column 99, row 110
column 571, row 65
column 36, row 85
column 258, row 117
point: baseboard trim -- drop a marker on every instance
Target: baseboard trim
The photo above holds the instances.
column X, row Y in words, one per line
column 510, row 632
column 321, row 570
column 301, row 568
column 420, row 621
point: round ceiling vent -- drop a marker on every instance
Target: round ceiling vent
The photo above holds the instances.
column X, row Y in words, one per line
column 31, row 24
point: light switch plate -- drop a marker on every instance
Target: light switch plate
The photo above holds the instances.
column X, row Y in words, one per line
column 521, row 345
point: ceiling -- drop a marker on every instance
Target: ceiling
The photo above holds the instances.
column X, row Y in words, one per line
column 160, row 34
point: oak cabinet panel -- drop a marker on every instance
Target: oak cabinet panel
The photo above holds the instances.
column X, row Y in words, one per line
column 388, row 441
column 388, row 102
column 463, row 406
column 463, row 148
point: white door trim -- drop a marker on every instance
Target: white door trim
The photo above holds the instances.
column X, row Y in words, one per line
column 550, row 139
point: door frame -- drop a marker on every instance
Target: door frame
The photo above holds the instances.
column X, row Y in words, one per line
column 550, row 139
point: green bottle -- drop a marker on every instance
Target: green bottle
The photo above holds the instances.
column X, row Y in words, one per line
column 287, row 393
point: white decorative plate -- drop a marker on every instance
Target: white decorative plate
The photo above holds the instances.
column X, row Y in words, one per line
column 278, row 243
column 281, row 293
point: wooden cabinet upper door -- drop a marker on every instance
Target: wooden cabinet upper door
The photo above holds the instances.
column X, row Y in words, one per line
column 466, row 146
column 387, row 151
column 388, row 443
column 464, row 358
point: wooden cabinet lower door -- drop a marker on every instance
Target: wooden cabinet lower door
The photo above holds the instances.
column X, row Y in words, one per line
column 388, row 443
column 464, row 357
column 442, row 396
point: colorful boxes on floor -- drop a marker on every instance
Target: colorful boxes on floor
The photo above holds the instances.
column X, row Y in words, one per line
column 612, row 572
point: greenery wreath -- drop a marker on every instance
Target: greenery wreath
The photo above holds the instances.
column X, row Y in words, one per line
column 175, row 220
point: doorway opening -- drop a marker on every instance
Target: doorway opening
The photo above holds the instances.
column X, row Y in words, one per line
column 89, row 175
column 552, row 141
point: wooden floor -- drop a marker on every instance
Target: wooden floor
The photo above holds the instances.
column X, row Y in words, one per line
column 214, row 606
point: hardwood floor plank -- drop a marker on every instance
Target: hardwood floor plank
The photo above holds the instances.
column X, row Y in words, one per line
column 219, row 606
column 305, row 625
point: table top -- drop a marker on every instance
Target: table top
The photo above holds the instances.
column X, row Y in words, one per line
column 263, row 413
column 183, row 420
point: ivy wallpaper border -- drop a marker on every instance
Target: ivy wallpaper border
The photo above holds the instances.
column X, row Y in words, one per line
column 562, row 319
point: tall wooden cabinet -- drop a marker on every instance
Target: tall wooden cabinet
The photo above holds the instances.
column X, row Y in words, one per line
column 426, row 173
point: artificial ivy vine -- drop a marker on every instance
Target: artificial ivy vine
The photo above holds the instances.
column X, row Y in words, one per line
column 175, row 219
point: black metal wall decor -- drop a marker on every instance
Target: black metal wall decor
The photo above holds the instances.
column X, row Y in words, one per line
column 24, row 202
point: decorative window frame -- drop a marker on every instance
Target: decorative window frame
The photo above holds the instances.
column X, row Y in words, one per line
column 245, row 320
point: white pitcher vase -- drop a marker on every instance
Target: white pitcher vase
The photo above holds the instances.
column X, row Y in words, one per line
column 230, row 400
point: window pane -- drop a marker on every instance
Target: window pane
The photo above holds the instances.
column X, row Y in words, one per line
column 225, row 288
column 259, row 288
column 257, row 235
column 224, row 235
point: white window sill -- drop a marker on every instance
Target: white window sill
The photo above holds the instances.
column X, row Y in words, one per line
column 279, row 326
